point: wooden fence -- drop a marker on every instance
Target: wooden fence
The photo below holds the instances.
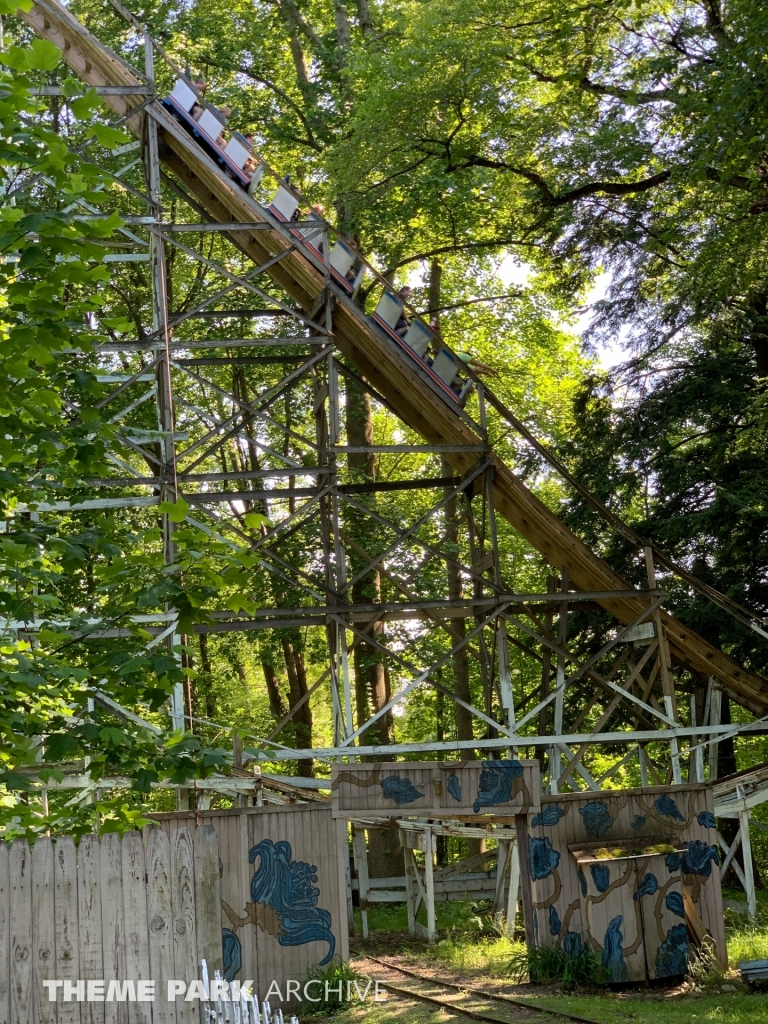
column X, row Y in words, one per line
column 107, row 910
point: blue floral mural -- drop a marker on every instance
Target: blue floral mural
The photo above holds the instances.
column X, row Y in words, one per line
column 698, row 858
column 549, row 816
column 647, row 887
column 613, row 951
column 400, row 789
column 672, row 860
column 555, row 924
column 601, row 876
column 232, row 953
column 666, row 805
column 572, row 943
column 597, row 820
column 583, row 883
column 638, row 822
column 672, row 954
column 674, row 903
column 542, row 858
column 495, row 786
column 706, row 818
column 287, row 887
column 454, row 787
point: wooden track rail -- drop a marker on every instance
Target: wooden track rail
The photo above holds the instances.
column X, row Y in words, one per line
column 409, row 391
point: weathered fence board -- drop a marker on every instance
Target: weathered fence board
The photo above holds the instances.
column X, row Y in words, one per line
column 43, row 912
column 102, row 919
column 22, row 1010
column 89, row 918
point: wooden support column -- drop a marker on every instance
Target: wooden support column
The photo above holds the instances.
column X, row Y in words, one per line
column 429, row 885
column 715, row 702
column 521, row 827
column 360, row 854
column 555, row 765
column 746, row 854
column 667, row 682
column 514, row 887
column 410, row 900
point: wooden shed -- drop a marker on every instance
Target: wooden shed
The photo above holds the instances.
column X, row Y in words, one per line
column 283, row 891
column 632, row 872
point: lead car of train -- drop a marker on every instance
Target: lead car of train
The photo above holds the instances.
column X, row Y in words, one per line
column 237, row 160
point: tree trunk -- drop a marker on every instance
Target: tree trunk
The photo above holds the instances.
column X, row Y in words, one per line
column 364, row 17
column 205, row 680
column 276, row 705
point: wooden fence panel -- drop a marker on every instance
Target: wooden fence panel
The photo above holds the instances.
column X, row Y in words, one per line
column 135, row 922
column 5, row 937
column 44, row 927
column 22, row 1010
column 112, row 924
column 67, row 951
column 89, row 922
column 183, row 906
column 159, row 910
column 208, row 898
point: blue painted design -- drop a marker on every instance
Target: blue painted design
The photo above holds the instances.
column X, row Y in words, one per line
column 674, row 903
column 601, row 876
column 549, row 816
column 613, row 951
column 597, row 820
column 666, row 805
column 672, row 860
column 542, row 858
column 400, row 789
column 495, row 786
column 638, row 822
column 647, row 887
column 555, row 924
column 583, row 883
column 706, row 818
column 672, row 954
column 232, row 954
column 286, row 886
column 698, row 858
column 572, row 943
column 454, row 787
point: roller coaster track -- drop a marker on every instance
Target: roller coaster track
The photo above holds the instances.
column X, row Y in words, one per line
column 408, row 390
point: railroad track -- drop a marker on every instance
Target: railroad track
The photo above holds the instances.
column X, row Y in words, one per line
column 467, row 1011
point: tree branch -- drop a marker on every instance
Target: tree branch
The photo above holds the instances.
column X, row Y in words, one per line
column 472, row 302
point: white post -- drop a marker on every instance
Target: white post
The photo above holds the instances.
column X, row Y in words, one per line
column 643, row 765
column 746, row 853
column 409, row 897
column 429, row 886
column 715, row 707
column 514, row 888
column 562, row 638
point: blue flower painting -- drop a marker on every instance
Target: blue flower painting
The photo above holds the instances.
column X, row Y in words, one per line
column 495, row 786
column 672, row 860
column 232, row 954
column 541, row 857
column 674, row 903
column 672, row 954
column 583, row 883
column 666, row 805
column 286, row 886
column 549, row 816
column 601, row 876
column 613, row 951
column 572, row 943
column 400, row 789
column 706, row 818
column 698, row 858
column 638, row 822
column 597, row 820
column 454, row 787
column 647, row 887
column 555, row 924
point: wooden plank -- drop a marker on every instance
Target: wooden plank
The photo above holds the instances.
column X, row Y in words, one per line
column 112, row 924
column 159, row 917
column 44, row 921
column 183, row 911
column 5, row 935
column 89, row 922
column 208, row 898
column 20, row 881
column 67, row 939
column 135, row 941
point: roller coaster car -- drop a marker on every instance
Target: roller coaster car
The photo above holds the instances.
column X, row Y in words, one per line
column 341, row 259
column 233, row 157
column 443, row 369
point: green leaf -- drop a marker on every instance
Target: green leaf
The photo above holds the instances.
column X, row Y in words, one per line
column 176, row 511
